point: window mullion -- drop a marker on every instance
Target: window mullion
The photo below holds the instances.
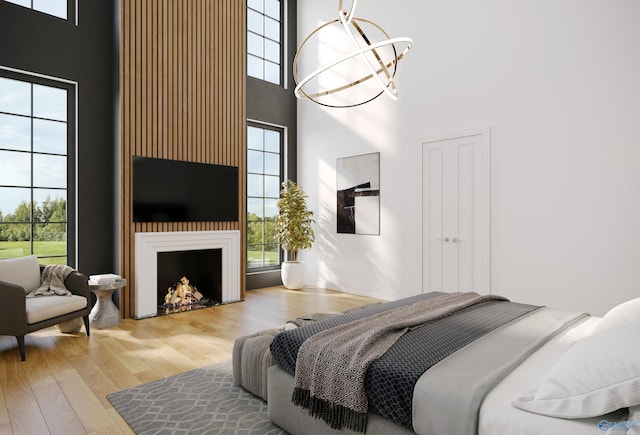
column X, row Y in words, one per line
column 31, row 198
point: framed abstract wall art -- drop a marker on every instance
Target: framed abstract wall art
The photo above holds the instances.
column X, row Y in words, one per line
column 358, row 194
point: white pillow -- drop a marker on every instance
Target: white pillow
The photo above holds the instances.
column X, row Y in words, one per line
column 627, row 313
column 597, row 375
column 23, row 271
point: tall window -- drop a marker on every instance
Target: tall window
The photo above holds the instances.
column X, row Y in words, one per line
column 264, row 175
column 36, row 130
column 57, row 8
column 264, row 40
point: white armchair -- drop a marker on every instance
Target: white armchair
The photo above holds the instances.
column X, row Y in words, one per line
column 20, row 315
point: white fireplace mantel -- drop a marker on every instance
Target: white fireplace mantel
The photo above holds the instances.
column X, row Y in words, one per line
column 146, row 262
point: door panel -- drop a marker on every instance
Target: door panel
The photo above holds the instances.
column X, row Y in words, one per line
column 435, row 247
column 464, row 237
column 455, row 251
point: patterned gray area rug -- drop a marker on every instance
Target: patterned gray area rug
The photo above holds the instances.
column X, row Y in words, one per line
column 202, row 401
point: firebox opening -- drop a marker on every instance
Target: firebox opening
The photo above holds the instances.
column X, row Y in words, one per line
column 189, row 280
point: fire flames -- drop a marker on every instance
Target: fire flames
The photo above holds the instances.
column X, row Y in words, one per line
column 183, row 296
column 183, row 293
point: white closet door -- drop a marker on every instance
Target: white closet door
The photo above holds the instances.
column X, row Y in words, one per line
column 455, row 198
column 434, row 243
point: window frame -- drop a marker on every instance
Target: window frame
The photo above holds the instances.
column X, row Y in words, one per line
column 71, row 157
column 72, row 10
column 282, row 146
column 281, row 43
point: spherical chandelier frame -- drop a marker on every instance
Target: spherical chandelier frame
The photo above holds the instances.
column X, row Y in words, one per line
column 388, row 68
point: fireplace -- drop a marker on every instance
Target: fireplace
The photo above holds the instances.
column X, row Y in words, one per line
column 220, row 250
column 189, row 280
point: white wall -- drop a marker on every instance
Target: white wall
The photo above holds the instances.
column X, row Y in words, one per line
column 558, row 81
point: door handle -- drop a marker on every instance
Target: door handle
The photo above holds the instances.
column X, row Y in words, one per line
column 445, row 239
column 455, row 240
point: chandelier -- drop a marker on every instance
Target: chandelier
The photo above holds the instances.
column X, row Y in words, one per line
column 359, row 61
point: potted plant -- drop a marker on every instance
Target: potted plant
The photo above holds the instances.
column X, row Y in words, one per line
column 294, row 232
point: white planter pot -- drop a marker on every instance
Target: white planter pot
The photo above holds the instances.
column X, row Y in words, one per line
column 292, row 273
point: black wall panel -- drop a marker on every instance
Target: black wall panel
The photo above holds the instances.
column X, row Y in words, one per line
column 85, row 53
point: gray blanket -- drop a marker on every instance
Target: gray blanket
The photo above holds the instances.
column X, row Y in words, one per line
column 332, row 364
column 53, row 276
column 391, row 380
column 285, row 346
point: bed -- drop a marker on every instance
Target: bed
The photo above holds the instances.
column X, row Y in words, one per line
column 535, row 370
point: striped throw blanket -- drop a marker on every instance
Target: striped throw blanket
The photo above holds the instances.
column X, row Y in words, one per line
column 332, row 364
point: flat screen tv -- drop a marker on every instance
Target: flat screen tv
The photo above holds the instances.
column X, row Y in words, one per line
column 178, row 191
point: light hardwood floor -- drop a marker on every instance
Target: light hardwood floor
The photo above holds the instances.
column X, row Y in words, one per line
column 61, row 388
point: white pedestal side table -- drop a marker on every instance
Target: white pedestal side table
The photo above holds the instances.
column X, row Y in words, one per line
column 105, row 314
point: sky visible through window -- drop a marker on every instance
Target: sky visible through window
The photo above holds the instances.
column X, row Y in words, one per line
column 44, row 123
column 57, row 8
column 263, row 40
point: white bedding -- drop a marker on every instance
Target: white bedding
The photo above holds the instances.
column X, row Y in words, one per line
column 498, row 416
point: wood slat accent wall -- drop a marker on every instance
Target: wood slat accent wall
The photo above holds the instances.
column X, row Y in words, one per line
column 182, row 97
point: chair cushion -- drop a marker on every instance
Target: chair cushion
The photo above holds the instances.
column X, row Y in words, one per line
column 45, row 307
column 23, row 271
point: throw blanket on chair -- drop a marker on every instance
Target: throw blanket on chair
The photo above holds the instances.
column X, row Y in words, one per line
column 332, row 364
column 53, row 276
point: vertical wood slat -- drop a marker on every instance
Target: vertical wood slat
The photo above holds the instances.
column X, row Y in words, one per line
column 182, row 87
